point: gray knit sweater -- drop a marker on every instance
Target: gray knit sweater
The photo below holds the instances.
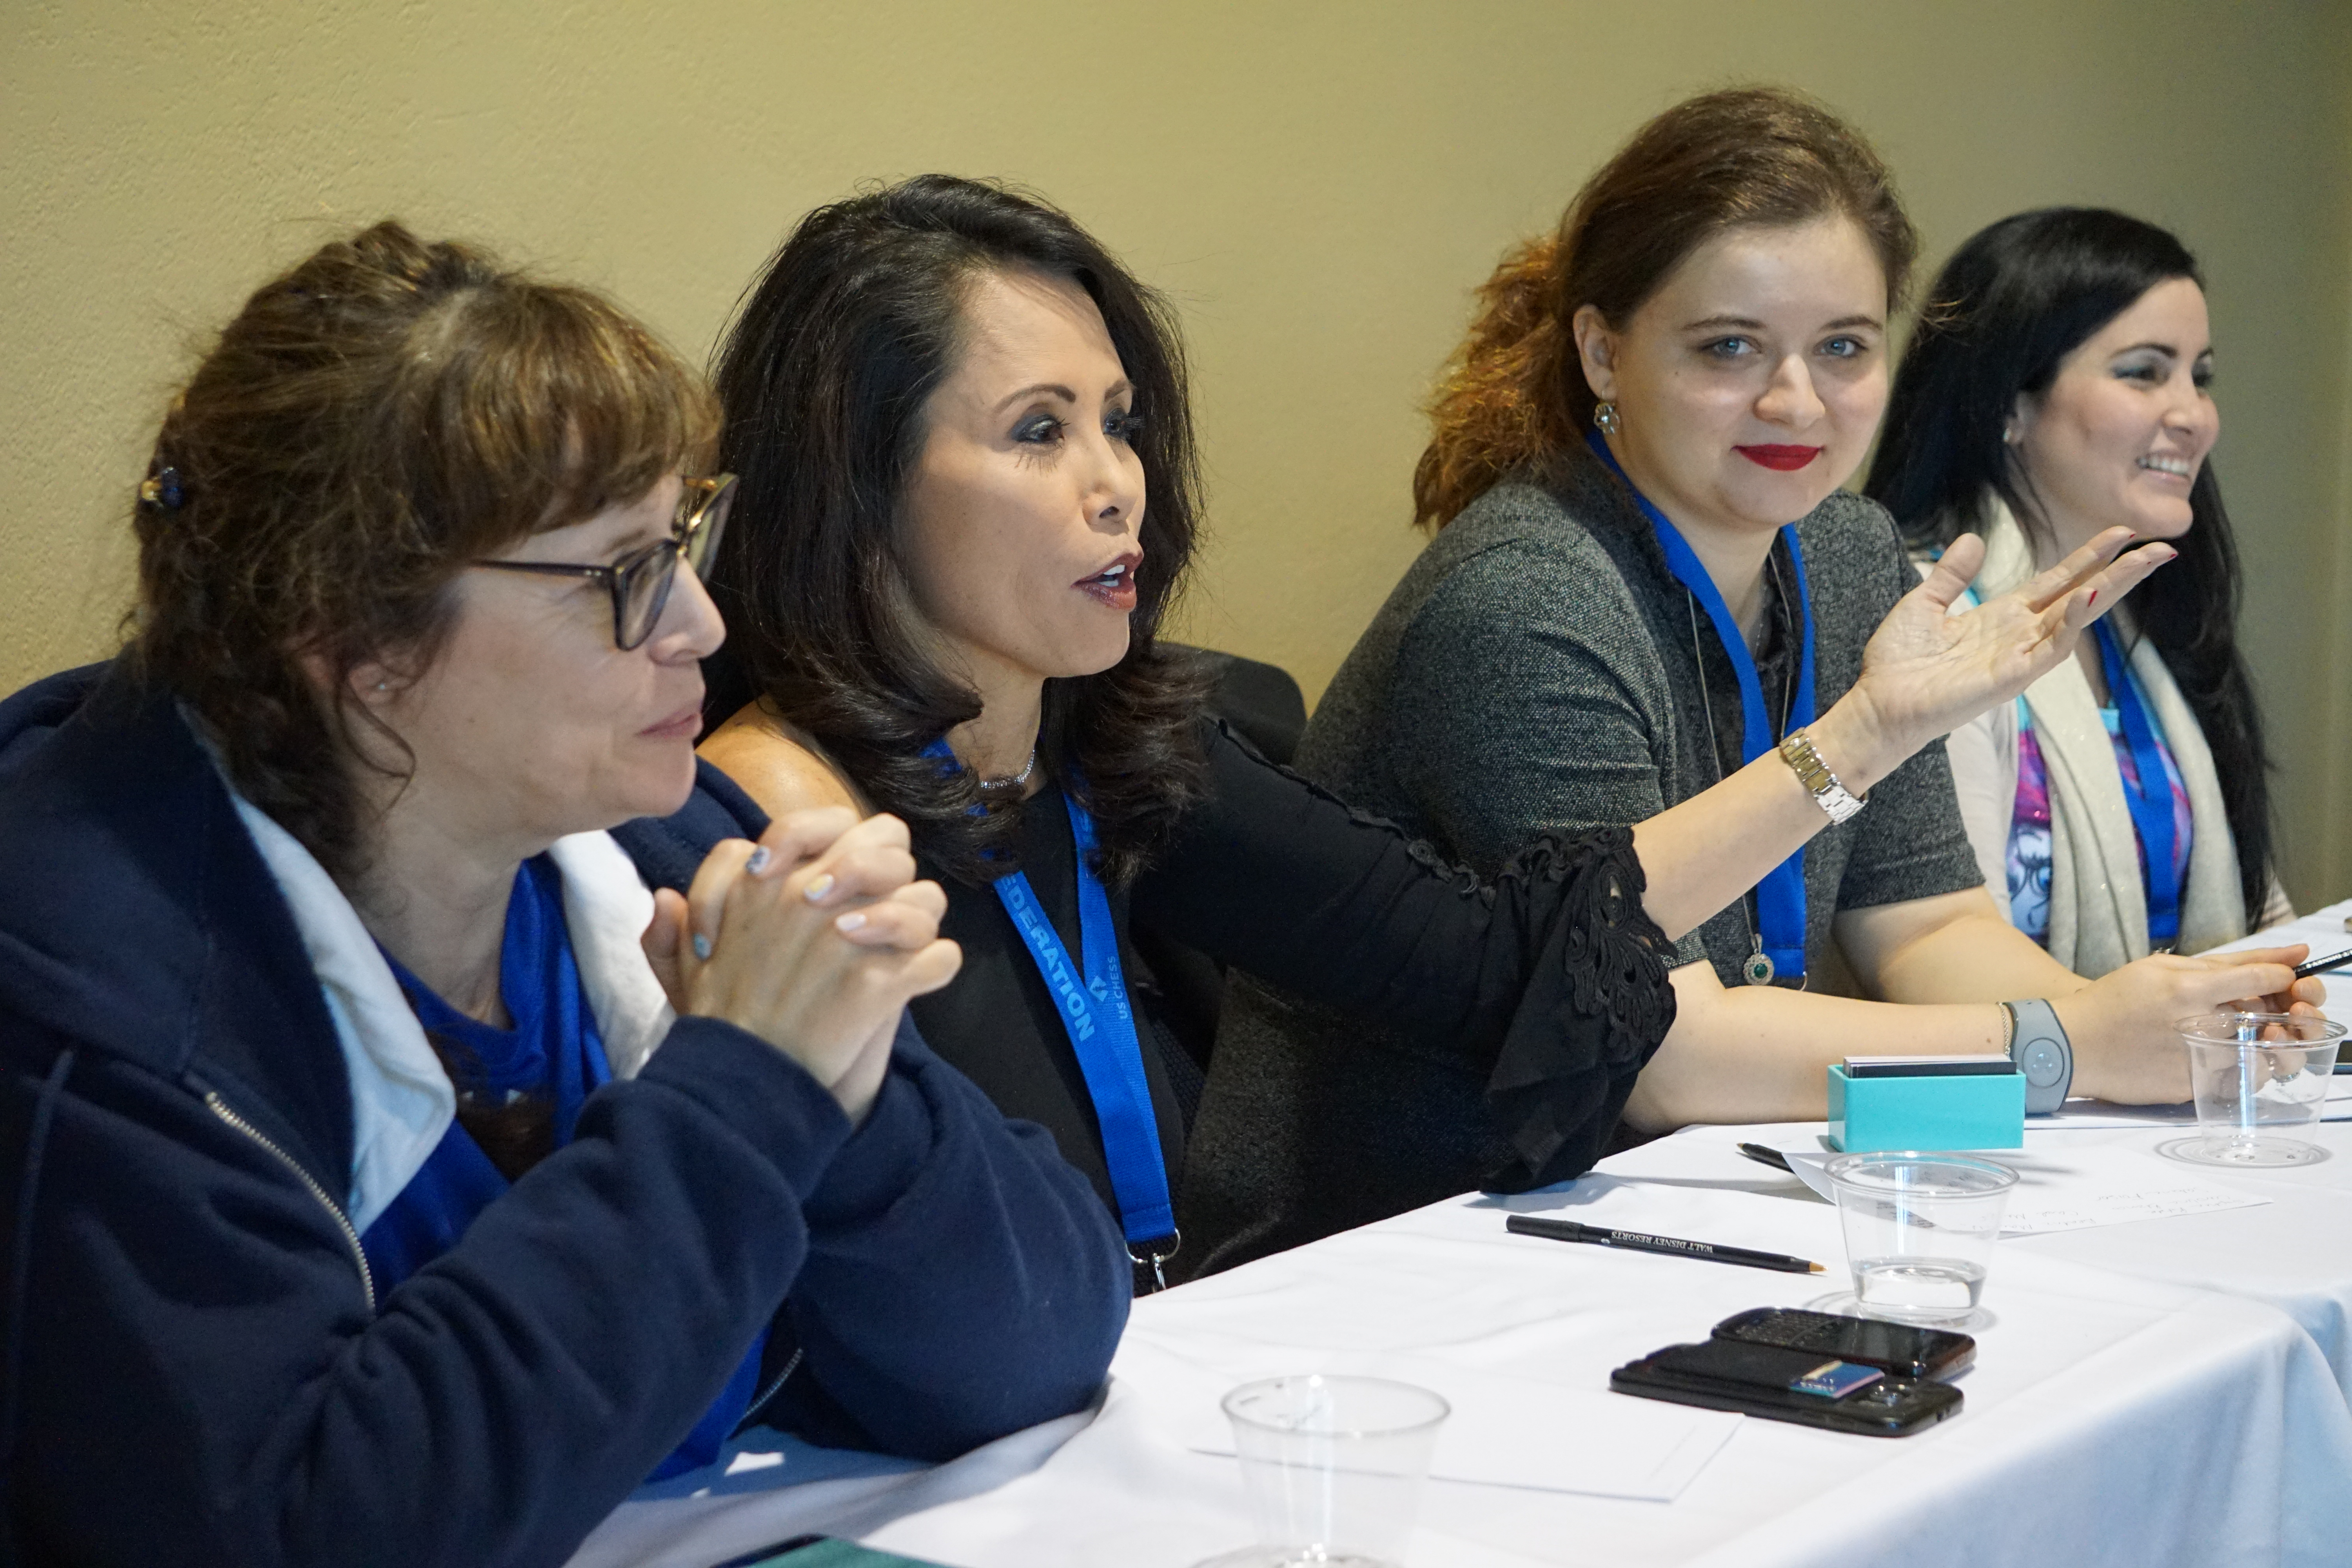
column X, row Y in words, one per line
column 1536, row 668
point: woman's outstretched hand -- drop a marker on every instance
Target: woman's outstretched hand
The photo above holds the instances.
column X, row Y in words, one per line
column 813, row 940
column 1927, row 672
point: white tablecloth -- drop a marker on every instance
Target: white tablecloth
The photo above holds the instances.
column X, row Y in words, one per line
column 2170, row 1391
column 2295, row 1252
column 2109, row 1419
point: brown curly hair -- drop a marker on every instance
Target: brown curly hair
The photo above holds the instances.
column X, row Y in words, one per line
column 381, row 415
column 1513, row 400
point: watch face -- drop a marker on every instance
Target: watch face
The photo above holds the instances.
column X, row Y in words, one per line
column 2043, row 1063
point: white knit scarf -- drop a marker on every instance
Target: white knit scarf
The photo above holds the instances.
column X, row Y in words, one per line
column 2098, row 903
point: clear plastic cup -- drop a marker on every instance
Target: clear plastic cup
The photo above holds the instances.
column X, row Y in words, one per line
column 1333, row 1467
column 2256, row 1076
column 1919, row 1230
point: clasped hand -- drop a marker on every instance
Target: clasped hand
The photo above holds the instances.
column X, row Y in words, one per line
column 815, row 946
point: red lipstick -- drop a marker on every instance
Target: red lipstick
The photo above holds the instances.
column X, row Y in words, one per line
column 1782, row 459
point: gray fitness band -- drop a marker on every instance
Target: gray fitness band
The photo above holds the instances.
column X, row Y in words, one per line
column 2038, row 1045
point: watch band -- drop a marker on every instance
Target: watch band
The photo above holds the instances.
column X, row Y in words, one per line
column 1796, row 751
column 2038, row 1045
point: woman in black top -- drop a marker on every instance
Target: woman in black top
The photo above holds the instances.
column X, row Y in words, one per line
column 948, row 406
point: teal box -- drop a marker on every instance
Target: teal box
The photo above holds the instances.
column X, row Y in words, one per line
column 1971, row 1110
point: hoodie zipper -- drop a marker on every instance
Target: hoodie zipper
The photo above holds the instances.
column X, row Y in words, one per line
column 219, row 1107
column 776, row 1387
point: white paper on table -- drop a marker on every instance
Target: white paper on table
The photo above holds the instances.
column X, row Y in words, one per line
column 2075, row 1189
column 2095, row 1116
column 1527, row 1432
column 2090, row 1115
column 2084, row 1115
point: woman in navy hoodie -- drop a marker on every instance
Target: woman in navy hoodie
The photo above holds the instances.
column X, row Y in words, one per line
column 373, row 1195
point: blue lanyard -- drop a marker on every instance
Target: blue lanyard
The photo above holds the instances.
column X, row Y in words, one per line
column 554, row 1048
column 1780, row 895
column 1101, row 1025
column 2151, row 803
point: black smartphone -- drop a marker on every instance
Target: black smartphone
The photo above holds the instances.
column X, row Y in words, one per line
column 821, row 1551
column 1780, row 1385
column 1898, row 1348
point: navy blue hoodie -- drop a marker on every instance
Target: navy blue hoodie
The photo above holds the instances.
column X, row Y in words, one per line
column 195, row 1368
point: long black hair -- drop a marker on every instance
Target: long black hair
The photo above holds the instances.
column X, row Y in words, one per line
column 823, row 377
column 2004, row 313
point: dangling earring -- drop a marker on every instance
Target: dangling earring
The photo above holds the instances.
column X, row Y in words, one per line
column 1605, row 415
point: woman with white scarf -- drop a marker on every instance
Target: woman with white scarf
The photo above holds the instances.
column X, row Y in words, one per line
column 2060, row 383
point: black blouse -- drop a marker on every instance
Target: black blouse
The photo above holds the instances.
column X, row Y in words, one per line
column 1551, row 978
column 1007, row 1033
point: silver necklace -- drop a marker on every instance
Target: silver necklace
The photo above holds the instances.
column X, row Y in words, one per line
column 1014, row 780
column 1759, row 968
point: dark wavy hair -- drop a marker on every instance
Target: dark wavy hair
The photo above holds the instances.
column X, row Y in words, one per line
column 1514, row 402
column 2004, row 313
column 824, row 379
column 375, row 417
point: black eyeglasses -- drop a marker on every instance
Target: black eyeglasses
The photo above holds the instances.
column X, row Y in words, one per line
column 640, row 581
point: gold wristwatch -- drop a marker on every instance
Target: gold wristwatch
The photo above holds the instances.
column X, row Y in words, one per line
column 1796, row 751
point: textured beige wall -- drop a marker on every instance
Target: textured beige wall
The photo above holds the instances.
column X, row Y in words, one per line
column 1318, row 185
column 2327, row 825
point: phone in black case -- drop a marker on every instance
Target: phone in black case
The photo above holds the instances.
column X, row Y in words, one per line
column 1778, row 1385
column 1898, row 1348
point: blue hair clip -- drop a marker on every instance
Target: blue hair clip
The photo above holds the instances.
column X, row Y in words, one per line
column 163, row 488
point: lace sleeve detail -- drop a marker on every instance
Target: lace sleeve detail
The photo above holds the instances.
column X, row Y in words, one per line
column 1598, row 1003
column 1543, row 989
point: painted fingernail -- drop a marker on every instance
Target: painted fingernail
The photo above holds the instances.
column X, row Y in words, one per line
column 759, row 860
column 815, row 891
column 2094, row 598
column 702, row 947
column 849, row 921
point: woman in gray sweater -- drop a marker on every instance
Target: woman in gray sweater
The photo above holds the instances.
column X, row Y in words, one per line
column 1645, row 587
